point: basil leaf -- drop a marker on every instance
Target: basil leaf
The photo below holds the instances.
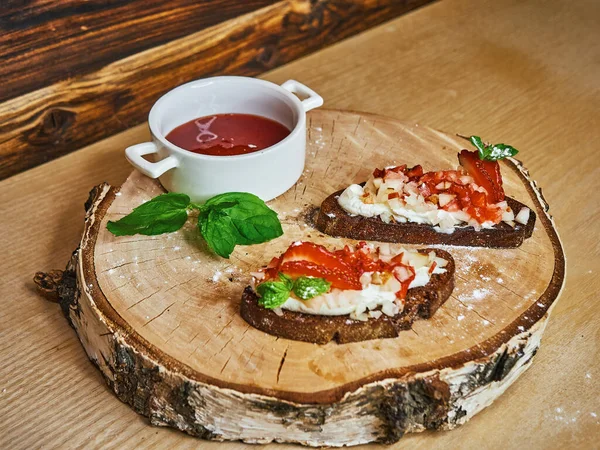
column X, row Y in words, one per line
column 231, row 199
column 220, row 206
column 288, row 281
column 273, row 294
column 248, row 219
column 218, row 232
column 224, row 221
column 500, row 151
column 307, row 287
column 254, row 220
column 163, row 214
column 478, row 143
column 492, row 152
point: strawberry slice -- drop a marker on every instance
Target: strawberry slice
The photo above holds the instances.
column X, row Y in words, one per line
column 360, row 259
column 272, row 269
column 307, row 258
column 478, row 199
column 414, row 172
column 338, row 278
column 311, row 252
column 485, row 173
column 378, row 173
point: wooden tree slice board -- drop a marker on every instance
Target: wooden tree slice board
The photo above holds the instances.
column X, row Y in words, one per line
column 159, row 315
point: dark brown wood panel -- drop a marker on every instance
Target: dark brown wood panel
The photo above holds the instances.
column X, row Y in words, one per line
column 75, row 37
column 54, row 120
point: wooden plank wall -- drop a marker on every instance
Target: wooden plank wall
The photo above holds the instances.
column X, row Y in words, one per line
column 75, row 71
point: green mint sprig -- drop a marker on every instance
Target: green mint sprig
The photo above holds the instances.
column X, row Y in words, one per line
column 163, row 214
column 273, row 294
column 492, row 152
column 224, row 221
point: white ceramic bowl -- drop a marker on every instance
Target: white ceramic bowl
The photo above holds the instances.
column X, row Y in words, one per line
column 266, row 173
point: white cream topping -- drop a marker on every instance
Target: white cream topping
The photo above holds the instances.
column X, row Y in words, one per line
column 357, row 304
column 375, row 298
column 523, row 216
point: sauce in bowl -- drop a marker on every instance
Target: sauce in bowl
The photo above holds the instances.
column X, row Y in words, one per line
column 228, row 134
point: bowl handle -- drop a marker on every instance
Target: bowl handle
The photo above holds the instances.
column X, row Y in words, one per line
column 313, row 99
column 153, row 170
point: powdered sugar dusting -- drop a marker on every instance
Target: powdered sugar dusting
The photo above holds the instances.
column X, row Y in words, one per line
column 479, row 294
column 568, row 415
column 475, row 295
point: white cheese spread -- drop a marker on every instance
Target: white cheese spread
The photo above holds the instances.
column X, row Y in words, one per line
column 443, row 221
column 413, row 209
column 408, row 205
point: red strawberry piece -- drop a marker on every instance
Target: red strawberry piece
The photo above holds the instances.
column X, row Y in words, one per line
column 338, row 278
column 311, row 252
column 414, row 172
column 485, row 173
column 272, row 269
column 309, row 259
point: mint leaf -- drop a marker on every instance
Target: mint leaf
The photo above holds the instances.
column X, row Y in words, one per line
column 273, row 294
column 219, row 206
column 287, row 280
column 232, row 198
column 479, row 145
column 242, row 217
column 226, row 220
column 500, row 151
column 254, row 220
column 307, row 288
column 218, row 232
column 163, row 214
column 492, row 152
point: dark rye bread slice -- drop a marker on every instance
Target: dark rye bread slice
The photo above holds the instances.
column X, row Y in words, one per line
column 421, row 303
column 333, row 220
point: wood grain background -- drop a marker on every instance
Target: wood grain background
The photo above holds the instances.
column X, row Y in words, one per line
column 74, row 37
column 74, row 72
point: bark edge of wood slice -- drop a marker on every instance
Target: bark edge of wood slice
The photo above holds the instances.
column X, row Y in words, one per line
column 437, row 394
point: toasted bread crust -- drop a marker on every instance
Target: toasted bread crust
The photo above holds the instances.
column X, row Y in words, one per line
column 333, row 220
column 421, row 303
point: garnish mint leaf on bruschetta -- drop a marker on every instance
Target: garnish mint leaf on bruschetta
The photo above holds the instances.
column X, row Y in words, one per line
column 273, row 294
column 492, row 152
column 307, row 287
column 226, row 220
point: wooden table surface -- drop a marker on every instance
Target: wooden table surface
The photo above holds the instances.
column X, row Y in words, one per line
column 522, row 72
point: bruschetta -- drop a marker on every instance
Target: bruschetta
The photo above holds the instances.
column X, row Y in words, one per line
column 466, row 206
column 313, row 294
